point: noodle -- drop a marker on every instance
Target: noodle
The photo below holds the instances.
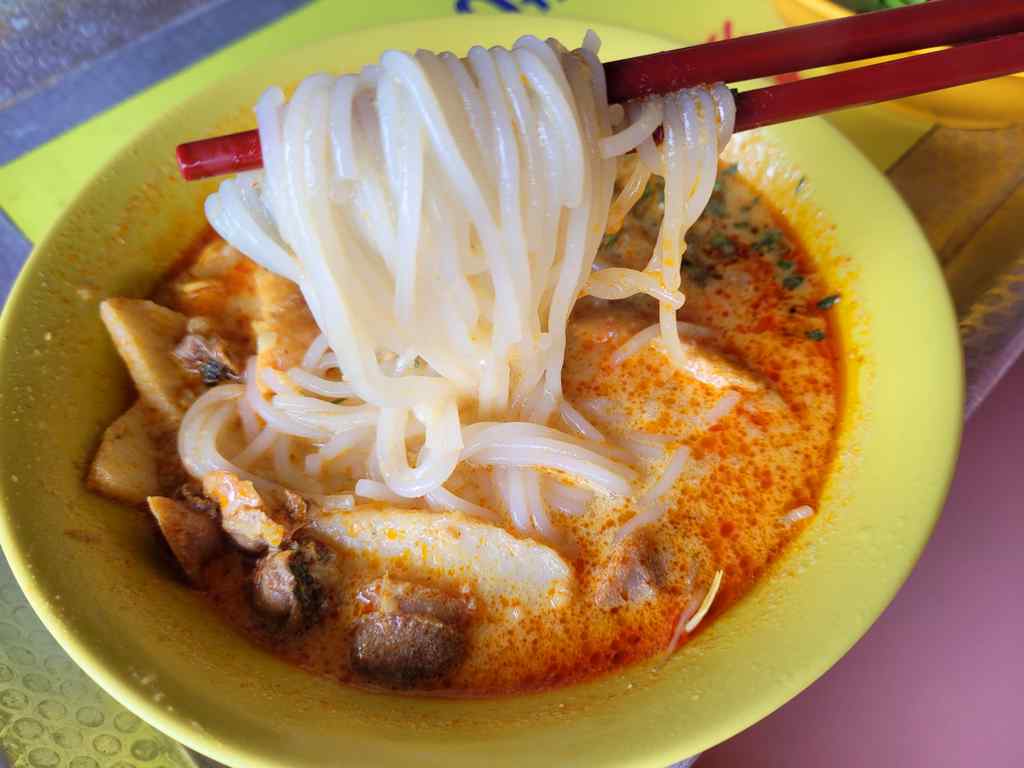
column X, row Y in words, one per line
column 720, row 409
column 651, row 505
column 641, row 339
column 319, row 385
column 444, row 305
column 259, row 446
column 630, row 195
column 795, row 515
column 615, row 283
column 578, row 422
column 705, row 604
column 442, row 498
column 567, row 499
column 646, row 122
column 371, row 489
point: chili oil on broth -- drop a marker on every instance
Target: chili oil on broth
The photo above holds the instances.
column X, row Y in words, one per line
column 751, row 283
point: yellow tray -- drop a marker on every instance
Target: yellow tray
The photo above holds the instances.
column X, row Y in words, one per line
column 35, row 188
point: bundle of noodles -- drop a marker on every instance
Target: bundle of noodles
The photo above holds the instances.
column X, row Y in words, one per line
column 441, row 217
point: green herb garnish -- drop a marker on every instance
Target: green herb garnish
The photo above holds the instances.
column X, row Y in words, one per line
column 609, row 240
column 213, row 372
column 699, row 273
column 716, row 207
column 722, row 244
column 770, row 239
column 750, row 206
column 828, row 302
column 815, row 335
column 792, row 281
column 730, row 169
column 784, row 264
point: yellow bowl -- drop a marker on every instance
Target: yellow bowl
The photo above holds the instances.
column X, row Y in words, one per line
column 988, row 104
column 93, row 571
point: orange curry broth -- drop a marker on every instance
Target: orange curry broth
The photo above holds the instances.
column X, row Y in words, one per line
column 746, row 276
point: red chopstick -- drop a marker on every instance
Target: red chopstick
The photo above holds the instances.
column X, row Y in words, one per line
column 880, row 82
column 838, row 41
column 219, row 155
column 940, row 22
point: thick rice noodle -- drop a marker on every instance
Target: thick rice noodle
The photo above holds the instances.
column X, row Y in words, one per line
column 444, row 306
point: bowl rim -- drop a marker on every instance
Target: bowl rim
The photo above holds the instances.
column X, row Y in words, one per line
column 178, row 726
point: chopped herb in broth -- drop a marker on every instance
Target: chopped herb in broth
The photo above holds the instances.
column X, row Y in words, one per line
column 792, row 282
column 739, row 228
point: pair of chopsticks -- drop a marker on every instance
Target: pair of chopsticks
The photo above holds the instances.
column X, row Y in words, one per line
column 987, row 39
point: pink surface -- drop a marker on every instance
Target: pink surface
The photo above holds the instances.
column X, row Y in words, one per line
column 939, row 679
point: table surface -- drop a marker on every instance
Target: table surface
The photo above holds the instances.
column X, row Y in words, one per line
column 937, row 681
